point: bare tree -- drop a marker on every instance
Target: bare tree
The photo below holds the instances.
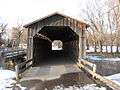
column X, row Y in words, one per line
column 104, row 25
column 114, row 24
column 95, row 19
column 2, row 32
column 116, row 19
column 17, row 34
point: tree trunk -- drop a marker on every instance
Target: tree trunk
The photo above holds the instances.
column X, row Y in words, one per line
column 87, row 44
column 95, row 48
column 100, row 46
column 117, row 49
column 106, row 48
column 111, row 47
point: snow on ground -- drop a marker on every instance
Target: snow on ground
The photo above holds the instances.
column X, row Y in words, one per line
column 6, row 80
column 91, row 49
column 86, row 87
column 7, row 74
column 115, row 78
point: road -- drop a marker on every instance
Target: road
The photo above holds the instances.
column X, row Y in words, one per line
column 49, row 72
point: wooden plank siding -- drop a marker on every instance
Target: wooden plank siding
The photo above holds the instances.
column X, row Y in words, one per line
column 76, row 26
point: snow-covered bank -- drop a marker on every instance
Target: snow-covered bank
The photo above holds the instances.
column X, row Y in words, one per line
column 7, row 74
column 86, row 87
column 6, row 80
column 115, row 78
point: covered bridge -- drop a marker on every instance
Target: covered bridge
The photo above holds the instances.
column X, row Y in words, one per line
column 55, row 36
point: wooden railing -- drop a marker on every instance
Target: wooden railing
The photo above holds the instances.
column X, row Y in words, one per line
column 13, row 53
column 20, row 68
column 88, row 65
column 16, row 50
column 83, row 64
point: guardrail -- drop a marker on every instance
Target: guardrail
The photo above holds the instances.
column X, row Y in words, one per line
column 16, row 50
column 13, row 53
column 84, row 63
column 20, row 68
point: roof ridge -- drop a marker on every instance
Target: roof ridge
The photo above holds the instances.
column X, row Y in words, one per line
column 61, row 14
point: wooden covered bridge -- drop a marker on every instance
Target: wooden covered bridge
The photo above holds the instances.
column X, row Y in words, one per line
column 60, row 40
column 43, row 32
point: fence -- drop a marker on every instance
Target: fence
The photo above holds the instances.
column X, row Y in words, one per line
column 20, row 68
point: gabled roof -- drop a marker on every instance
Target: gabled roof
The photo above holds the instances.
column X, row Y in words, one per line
column 56, row 13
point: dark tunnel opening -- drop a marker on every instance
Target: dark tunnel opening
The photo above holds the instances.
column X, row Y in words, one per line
column 42, row 48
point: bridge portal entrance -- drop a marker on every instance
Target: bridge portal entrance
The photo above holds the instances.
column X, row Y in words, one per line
column 55, row 43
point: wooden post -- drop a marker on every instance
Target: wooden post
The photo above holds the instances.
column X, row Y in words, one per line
column 17, row 71
column 82, row 43
column 94, row 69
